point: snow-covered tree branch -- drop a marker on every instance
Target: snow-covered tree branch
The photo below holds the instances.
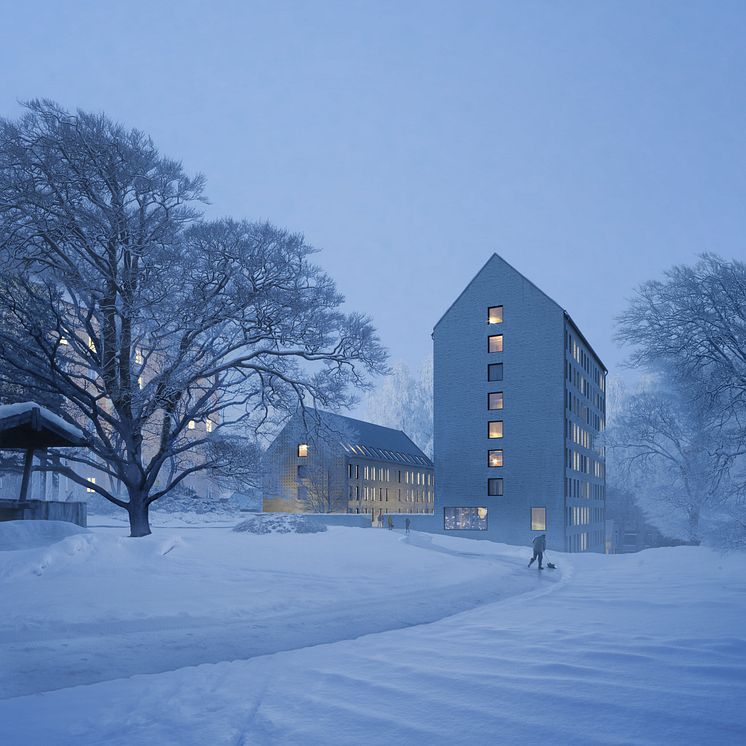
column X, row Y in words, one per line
column 148, row 321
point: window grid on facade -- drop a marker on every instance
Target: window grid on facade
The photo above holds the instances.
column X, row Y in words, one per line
column 495, row 429
column 495, row 400
column 465, row 519
column 538, row 519
column 495, row 487
column 495, row 372
column 495, row 343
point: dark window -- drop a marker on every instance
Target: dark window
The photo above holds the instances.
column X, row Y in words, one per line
column 495, row 372
column 301, row 471
column 495, row 487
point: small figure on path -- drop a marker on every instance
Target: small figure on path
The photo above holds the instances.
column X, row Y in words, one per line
column 391, row 523
column 406, row 525
column 540, row 546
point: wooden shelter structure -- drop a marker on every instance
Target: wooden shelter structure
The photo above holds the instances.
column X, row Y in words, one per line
column 29, row 427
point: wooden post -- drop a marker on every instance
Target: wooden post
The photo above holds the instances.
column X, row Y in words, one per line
column 28, row 463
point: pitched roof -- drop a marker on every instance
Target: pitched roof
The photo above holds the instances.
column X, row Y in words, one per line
column 496, row 256
column 363, row 439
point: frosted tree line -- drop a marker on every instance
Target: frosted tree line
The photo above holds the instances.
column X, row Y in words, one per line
column 404, row 401
column 167, row 336
column 678, row 437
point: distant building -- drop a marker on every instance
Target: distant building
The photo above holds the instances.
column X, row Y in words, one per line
column 629, row 530
column 327, row 463
column 519, row 403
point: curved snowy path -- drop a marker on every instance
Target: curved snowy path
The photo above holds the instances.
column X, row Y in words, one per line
column 636, row 649
column 300, row 604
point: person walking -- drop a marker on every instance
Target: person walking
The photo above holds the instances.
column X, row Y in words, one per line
column 540, row 546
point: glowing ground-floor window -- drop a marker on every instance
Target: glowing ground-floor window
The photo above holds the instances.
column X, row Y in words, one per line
column 465, row 519
column 538, row 519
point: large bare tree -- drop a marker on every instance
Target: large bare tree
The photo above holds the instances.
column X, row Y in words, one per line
column 694, row 322
column 159, row 330
column 668, row 447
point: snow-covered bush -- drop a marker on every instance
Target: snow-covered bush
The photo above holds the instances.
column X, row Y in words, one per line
column 280, row 523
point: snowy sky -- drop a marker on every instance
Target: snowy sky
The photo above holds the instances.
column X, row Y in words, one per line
column 591, row 144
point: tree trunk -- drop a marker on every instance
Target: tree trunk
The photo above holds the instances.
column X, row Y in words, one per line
column 138, row 513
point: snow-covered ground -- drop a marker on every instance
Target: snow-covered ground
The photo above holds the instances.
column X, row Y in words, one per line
column 358, row 636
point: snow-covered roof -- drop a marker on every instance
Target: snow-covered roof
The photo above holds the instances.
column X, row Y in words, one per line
column 29, row 425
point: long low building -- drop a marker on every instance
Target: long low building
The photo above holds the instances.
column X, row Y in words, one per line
column 327, row 463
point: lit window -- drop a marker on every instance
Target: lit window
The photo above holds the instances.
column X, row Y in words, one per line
column 92, row 480
column 64, row 342
column 494, row 458
column 465, row 519
column 138, row 357
column 495, row 315
column 495, row 372
column 495, row 487
column 91, row 344
column 209, row 425
column 495, row 343
column 495, row 400
column 495, row 429
column 538, row 519
column 191, row 425
column 140, row 381
column 302, row 450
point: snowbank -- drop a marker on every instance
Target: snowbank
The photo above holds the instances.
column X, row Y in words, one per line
column 280, row 523
column 15, row 535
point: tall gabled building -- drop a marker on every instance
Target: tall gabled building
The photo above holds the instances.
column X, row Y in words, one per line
column 519, row 404
column 324, row 462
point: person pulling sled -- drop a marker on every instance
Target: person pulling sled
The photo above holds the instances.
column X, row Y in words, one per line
column 540, row 546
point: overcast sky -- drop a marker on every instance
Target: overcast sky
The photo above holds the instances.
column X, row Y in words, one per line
column 591, row 144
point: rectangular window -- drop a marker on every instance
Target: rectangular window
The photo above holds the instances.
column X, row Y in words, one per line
column 301, row 471
column 209, row 425
column 191, row 425
column 92, row 480
column 357, row 471
column 538, row 519
column 494, row 458
column 495, row 400
column 495, row 343
column 465, row 519
column 495, row 315
column 495, row 429
column 302, row 450
column 495, row 372
column 495, row 487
